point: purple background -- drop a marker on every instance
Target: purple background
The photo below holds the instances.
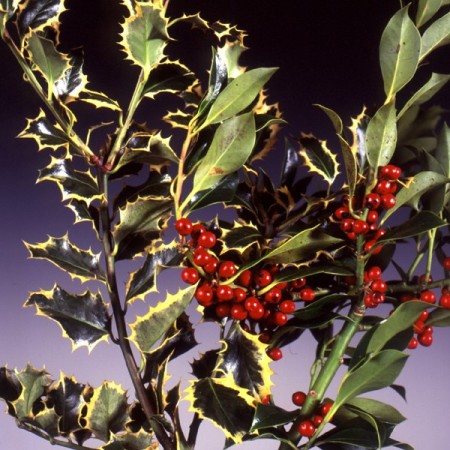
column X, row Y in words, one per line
column 327, row 54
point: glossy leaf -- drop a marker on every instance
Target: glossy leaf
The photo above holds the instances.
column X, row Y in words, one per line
column 349, row 157
column 230, row 53
column 44, row 133
column 410, row 194
column 33, row 384
column 85, row 213
column 426, row 9
column 141, row 440
column 381, row 411
column 241, row 236
column 399, row 52
column 107, row 411
column 143, row 280
column 39, row 14
column 352, row 437
column 267, row 416
column 148, row 329
column 99, row 100
column 381, row 136
column 73, row 184
column 141, row 222
column 318, row 158
column 442, row 153
column 221, row 401
column 10, row 388
column 229, row 150
column 83, row 318
column 69, row 87
column 435, row 36
column 290, row 165
column 436, row 82
column 439, row 318
column 81, row 264
column 244, row 359
column 144, row 35
column 238, row 95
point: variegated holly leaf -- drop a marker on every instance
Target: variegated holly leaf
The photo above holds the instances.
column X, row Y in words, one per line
column 67, row 400
column 203, row 367
column 148, row 329
column 141, row 222
column 33, row 384
column 7, row 10
column 44, row 133
column 240, row 237
column 244, row 359
column 178, row 119
column 168, row 76
column 143, row 280
column 106, row 411
column 81, row 264
column 319, row 158
column 47, row 60
column 83, row 318
column 47, row 420
column 179, row 339
column 99, row 100
column 73, row 83
column 73, row 184
column 39, row 14
column 10, row 388
column 145, row 36
column 142, row 440
column 230, row 53
column 228, row 406
column 85, row 213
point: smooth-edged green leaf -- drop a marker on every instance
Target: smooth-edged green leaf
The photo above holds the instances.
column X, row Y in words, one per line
column 33, row 384
column 334, row 118
column 222, row 192
column 442, row 153
column 411, row 193
column 381, row 411
column 44, row 56
column 141, row 222
column 292, row 273
column 426, row 9
column 420, row 223
column 318, row 308
column 319, row 158
column 143, row 280
column 39, row 14
column 244, row 359
column 351, row 437
column 436, row 82
column 377, row 372
column 224, row 403
column 142, row 440
column 381, row 136
column 107, row 410
column 435, row 36
column 81, row 264
column 439, row 318
column 269, row 415
column 399, row 52
column 67, row 400
column 73, row 184
column 229, row 150
column 144, row 35
column 83, row 318
column 168, row 76
column 238, row 95
column 148, row 329
column 44, row 133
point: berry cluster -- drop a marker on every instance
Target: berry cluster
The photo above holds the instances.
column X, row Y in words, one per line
column 375, row 287
column 380, row 199
column 424, row 333
column 252, row 296
column 307, row 427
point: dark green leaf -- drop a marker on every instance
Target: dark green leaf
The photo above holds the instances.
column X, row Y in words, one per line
column 142, row 440
column 400, row 390
column 241, row 237
column 10, row 387
column 443, row 149
column 83, row 213
column 83, row 318
column 353, row 438
column 290, row 166
column 69, row 87
column 204, row 366
column 38, row 14
column 381, row 411
column 439, row 318
column 269, row 415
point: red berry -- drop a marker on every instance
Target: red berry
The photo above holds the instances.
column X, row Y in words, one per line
column 369, row 246
column 207, row 239
column 341, row 212
column 239, row 295
column 384, row 187
column 378, row 286
column 369, row 301
column 390, row 172
column 428, row 296
column 307, row 294
column 374, row 273
column 190, row 275
column 306, row 428
column 224, row 293
column 273, row 296
column 204, row 295
column 275, row 353
column 413, row 343
column 211, row 266
column 288, row 306
column 266, row 400
column 347, row 224
column 360, row 227
column 325, row 408
column 425, row 338
column 238, row 312
column 263, row 278
column 388, row 201
column 251, row 303
column 444, row 301
column 280, row 318
column 298, row 398
column 446, row 263
column 227, row 269
column 257, row 313
column 197, row 230
column 223, row 310
column 372, row 217
column 183, row 226
column 317, row 420
column 201, row 257
column 245, row 278
column 372, row 201
column 298, row 284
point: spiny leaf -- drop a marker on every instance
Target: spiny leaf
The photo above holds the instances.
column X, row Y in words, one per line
column 231, row 146
column 381, row 136
column 10, row 388
column 435, row 36
column 244, row 360
column 426, row 9
column 238, row 95
column 69, row 87
column 72, row 183
column 99, row 100
column 47, row 420
column 178, row 119
column 142, row 440
column 39, row 14
column 224, row 403
column 107, row 411
column 399, row 52
column 84, row 213
column 148, row 329
column 143, row 280
column 7, row 10
column 141, row 222
column 240, row 237
column 319, row 158
column 83, row 318
column 44, row 133
column 144, row 35
column 81, row 264
column 33, row 383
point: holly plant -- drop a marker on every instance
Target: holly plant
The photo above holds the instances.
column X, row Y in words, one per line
column 305, row 252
